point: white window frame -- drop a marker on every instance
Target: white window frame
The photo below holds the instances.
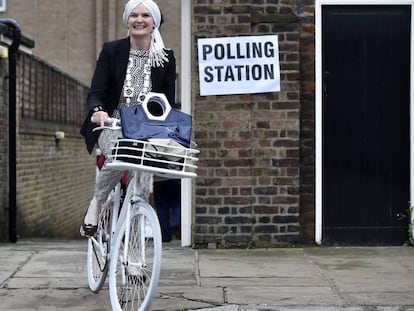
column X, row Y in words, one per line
column 3, row 6
column 186, row 183
column 318, row 100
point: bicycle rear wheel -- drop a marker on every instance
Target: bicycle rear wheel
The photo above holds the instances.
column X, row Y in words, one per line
column 136, row 260
column 98, row 250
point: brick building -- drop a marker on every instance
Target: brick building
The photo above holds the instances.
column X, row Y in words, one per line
column 260, row 176
column 70, row 34
column 55, row 181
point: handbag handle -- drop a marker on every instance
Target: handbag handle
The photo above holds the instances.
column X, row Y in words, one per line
column 156, row 106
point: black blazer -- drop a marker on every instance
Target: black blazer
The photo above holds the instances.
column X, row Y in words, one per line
column 108, row 81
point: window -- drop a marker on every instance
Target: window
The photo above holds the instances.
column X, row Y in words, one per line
column 2, row 5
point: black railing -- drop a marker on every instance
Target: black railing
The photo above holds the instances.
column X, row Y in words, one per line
column 47, row 94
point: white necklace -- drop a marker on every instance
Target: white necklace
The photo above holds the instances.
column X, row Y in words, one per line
column 129, row 88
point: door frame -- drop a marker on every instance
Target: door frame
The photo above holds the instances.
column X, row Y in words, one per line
column 186, row 184
column 318, row 100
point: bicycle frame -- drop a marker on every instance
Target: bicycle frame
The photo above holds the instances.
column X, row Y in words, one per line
column 116, row 199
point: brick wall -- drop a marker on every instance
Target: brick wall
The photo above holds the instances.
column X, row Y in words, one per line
column 256, row 184
column 53, row 183
column 54, row 180
column 305, row 10
column 70, row 34
column 247, row 193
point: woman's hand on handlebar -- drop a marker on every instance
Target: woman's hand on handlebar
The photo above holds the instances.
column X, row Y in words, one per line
column 100, row 118
column 103, row 121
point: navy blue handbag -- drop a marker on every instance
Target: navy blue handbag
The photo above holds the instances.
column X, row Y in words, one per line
column 153, row 120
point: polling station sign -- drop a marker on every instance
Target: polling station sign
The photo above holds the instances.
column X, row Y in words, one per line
column 238, row 65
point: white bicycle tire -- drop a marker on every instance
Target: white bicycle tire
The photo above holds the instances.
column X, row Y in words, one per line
column 98, row 252
column 118, row 266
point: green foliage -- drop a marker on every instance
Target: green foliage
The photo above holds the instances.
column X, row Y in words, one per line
column 410, row 232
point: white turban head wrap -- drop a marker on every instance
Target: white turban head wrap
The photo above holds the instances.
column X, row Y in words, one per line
column 157, row 54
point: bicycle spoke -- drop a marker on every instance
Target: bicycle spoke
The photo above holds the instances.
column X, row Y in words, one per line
column 98, row 257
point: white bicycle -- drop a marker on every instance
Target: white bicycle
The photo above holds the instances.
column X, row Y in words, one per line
column 128, row 242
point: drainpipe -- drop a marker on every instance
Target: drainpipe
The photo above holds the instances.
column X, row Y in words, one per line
column 16, row 35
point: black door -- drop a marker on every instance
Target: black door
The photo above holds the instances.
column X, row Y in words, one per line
column 366, row 122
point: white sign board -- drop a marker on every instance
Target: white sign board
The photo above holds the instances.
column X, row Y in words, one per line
column 239, row 65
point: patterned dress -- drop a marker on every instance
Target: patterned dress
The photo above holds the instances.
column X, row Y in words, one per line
column 108, row 178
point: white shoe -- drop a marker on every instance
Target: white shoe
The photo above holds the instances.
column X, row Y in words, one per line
column 92, row 214
column 90, row 221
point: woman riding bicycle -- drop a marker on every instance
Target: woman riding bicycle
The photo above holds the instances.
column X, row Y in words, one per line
column 126, row 71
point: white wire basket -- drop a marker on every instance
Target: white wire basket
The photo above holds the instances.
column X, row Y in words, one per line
column 161, row 158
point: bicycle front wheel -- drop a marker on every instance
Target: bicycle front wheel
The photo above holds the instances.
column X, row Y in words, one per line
column 98, row 251
column 136, row 260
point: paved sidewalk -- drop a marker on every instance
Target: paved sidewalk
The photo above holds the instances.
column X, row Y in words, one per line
column 51, row 275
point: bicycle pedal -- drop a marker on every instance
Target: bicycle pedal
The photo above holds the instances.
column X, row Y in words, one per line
column 85, row 234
